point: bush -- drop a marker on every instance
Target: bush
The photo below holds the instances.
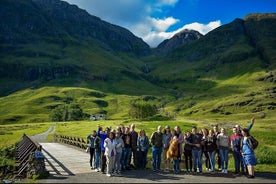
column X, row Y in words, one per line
column 266, row 155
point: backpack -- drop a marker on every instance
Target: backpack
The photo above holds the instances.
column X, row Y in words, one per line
column 254, row 143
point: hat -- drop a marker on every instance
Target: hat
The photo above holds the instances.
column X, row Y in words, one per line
column 167, row 127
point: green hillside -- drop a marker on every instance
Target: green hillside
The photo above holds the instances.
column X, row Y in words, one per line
column 53, row 53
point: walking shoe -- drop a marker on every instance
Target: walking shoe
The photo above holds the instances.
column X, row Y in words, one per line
column 250, row 176
column 109, row 175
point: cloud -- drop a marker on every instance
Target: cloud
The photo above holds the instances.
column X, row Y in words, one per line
column 155, row 37
column 141, row 17
column 203, row 28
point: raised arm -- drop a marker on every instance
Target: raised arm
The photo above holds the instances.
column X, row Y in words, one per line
column 251, row 124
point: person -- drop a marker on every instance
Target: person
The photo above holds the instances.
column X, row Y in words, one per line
column 127, row 150
column 119, row 145
column 223, row 142
column 180, row 138
column 196, row 151
column 134, row 137
column 216, row 133
column 248, row 153
column 235, row 139
column 173, row 152
column 156, row 142
column 167, row 136
column 103, row 135
column 188, row 151
column 97, row 145
column 204, row 133
column 91, row 138
column 248, row 127
column 110, row 153
column 211, row 147
column 38, row 152
column 142, row 148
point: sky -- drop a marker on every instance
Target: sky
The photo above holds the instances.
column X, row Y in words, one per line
column 157, row 20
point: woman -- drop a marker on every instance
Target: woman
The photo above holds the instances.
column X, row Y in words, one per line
column 248, row 153
column 204, row 132
column 167, row 136
column 211, row 148
column 180, row 138
column 119, row 150
column 91, row 137
column 110, row 153
column 224, row 144
column 143, row 144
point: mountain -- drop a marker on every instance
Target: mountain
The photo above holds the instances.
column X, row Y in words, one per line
column 53, row 41
column 56, row 21
column 53, row 53
column 182, row 38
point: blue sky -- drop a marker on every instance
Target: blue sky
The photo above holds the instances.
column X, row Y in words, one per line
column 156, row 20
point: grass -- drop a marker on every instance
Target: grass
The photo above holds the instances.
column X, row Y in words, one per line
column 262, row 130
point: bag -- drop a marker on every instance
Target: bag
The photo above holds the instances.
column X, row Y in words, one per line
column 87, row 150
column 254, row 142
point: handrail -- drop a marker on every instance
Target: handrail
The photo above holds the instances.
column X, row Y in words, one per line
column 79, row 142
column 24, row 148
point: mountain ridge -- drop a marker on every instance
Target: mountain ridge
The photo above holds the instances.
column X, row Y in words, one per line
column 46, row 47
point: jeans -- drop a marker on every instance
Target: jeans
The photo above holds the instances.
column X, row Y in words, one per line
column 97, row 159
column 156, row 157
column 176, row 165
column 212, row 159
column 92, row 151
column 117, row 164
column 126, row 157
column 143, row 159
column 197, row 159
column 224, row 158
column 238, row 161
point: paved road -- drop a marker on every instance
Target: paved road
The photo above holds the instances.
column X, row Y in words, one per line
column 67, row 164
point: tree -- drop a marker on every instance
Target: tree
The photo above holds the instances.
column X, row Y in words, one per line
column 142, row 109
column 67, row 113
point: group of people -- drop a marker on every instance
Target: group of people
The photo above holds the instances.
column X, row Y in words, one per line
column 115, row 150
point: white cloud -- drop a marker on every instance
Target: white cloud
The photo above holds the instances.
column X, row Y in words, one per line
column 136, row 15
column 163, row 24
column 203, row 28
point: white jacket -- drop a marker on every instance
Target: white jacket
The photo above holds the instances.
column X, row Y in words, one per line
column 109, row 146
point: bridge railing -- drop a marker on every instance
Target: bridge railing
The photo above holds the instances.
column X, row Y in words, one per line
column 23, row 150
column 79, row 142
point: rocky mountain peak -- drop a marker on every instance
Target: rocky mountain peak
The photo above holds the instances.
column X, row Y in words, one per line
column 182, row 38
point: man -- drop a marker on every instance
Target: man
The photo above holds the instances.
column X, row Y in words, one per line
column 196, row 151
column 103, row 135
column 235, row 139
column 134, row 137
column 156, row 142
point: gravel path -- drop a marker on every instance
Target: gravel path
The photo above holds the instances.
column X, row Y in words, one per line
column 42, row 137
